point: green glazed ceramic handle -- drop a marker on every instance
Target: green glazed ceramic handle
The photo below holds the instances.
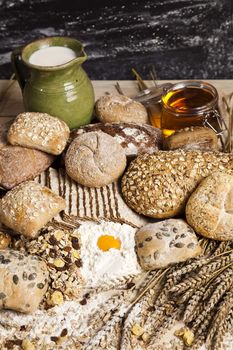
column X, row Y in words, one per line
column 18, row 66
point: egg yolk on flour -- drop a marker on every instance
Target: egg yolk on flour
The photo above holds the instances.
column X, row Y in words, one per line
column 107, row 242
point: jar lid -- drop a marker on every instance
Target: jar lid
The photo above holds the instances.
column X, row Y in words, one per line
column 152, row 95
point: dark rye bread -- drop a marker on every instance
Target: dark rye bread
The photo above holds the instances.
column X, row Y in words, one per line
column 84, row 203
column 134, row 138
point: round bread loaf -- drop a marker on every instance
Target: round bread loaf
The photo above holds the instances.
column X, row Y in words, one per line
column 95, row 159
column 166, row 242
column 134, row 138
column 209, row 209
column 158, row 185
column 120, row 108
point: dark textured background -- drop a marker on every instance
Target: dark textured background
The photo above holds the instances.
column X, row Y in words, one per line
column 182, row 39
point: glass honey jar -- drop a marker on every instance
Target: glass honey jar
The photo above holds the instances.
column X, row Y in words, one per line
column 188, row 103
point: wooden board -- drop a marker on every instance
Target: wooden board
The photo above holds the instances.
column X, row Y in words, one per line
column 11, row 102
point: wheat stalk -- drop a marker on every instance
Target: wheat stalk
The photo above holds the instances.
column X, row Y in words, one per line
column 224, row 309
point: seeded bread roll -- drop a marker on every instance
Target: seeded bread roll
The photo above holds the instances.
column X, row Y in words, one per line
column 134, row 138
column 39, row 131
column 192, row 139
column 95, row 159
column 210, row 207
column 158, row 185
column 166, row 242
column 120, row 108
column 18, row 164
column 28, row 207
column 23, row 281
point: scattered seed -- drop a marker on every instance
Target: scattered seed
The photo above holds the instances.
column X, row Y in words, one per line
column 159, row 235
column 32, row 276
column 15, row 279
column 64, row 332
column 191, row 245
column 179, row 245
column 40, row 285
column 75, row 243
column 2, row 295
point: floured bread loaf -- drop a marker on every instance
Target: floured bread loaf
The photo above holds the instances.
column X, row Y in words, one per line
column 95, row 159
column 39, row 131
column 166, row 242
column 192, row 139
column 210, row 207
column 84, row 203
column 134, row 138
column 18, row 164
column 159, row 185
column 23, row 281
column 28, row 207
column 120, row 108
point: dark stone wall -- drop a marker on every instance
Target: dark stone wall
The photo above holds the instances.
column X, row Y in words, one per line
column 181, row 39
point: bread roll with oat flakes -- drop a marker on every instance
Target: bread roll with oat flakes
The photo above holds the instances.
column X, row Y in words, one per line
column 39, row 131
column 120, row 108
column 28, row 207
column 18, row 164
column 95, row 159
column 23, row 281
column 158, row 185
column 166, row 242
column 209, row 209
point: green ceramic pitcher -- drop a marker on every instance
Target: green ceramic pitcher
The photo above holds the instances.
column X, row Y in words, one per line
column 63, row 91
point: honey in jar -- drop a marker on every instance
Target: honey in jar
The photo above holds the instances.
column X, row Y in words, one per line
column 187, row 104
